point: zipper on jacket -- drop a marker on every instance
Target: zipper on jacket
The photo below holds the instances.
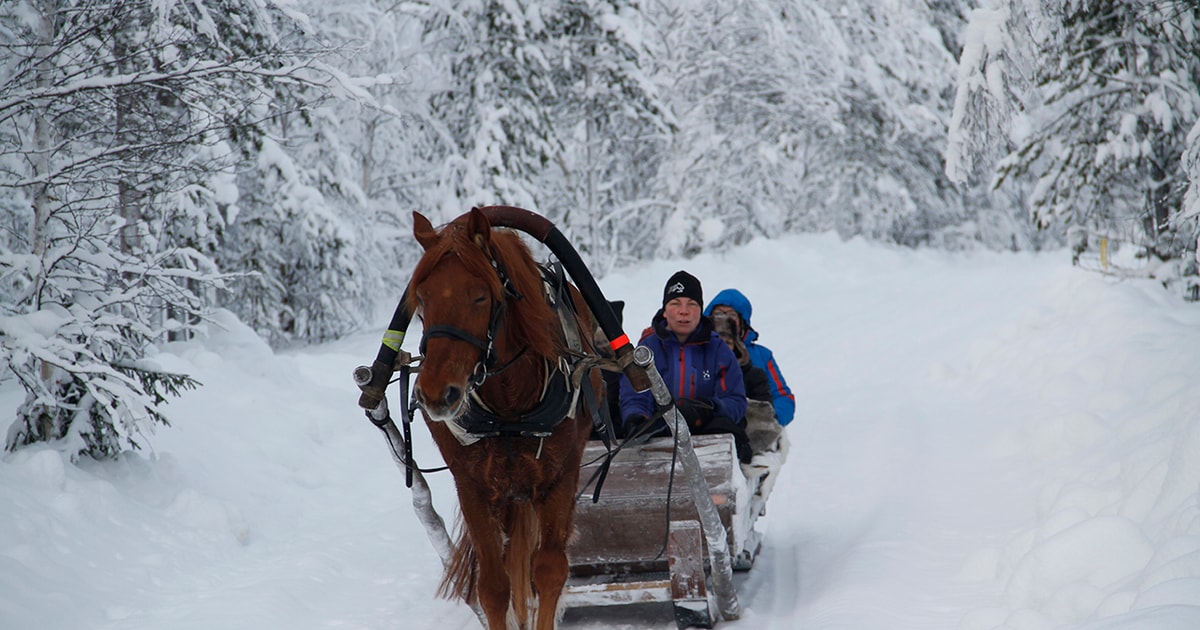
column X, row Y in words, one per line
column 682, row 372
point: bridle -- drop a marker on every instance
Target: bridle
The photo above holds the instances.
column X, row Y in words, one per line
column 485, row 366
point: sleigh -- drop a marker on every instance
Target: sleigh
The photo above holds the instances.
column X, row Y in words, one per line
column 633, row 547
column 675, row 517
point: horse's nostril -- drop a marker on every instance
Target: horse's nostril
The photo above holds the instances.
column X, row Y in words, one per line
column 453, row 394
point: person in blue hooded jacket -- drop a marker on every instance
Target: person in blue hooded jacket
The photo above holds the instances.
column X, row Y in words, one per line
column 731, row 303
column 696, row 365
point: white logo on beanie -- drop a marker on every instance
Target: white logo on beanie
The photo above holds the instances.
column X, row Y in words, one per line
column 675, row 288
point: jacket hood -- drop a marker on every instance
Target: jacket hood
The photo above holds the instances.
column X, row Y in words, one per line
column 737, row 301
column 733, row 299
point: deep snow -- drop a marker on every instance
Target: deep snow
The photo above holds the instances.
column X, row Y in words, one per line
column 982, row 441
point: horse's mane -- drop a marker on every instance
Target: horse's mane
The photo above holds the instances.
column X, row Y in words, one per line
column 530, row 319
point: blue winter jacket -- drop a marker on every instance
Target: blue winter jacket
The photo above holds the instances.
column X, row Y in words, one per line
column 781, row 395
column 702, row 367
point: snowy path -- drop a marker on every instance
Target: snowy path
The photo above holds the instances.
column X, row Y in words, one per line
column 983, row 441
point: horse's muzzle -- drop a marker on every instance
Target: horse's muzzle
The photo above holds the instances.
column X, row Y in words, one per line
column 449, row 406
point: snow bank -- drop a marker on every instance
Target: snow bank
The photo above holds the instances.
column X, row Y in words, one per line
column 983, row 441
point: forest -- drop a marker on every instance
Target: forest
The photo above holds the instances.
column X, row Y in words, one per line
column 160, row 160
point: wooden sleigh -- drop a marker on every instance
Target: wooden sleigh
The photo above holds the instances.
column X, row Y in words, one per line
column 632, row 545
column 630, row 548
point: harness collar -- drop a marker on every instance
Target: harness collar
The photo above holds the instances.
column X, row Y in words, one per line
column 557, row 400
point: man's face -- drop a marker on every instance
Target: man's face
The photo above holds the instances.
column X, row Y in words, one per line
column 682, row 315
column 722, row 311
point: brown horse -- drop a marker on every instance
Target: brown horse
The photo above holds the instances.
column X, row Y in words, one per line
column 493, row 342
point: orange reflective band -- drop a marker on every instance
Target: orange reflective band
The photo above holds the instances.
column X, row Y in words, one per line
column 619, row 342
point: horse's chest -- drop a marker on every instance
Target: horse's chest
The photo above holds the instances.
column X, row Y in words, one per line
column 508, row 469
column 520, row 475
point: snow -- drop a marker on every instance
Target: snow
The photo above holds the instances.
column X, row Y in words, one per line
column 983, row 441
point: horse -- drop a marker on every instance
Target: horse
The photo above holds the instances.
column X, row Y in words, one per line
column 494, row 348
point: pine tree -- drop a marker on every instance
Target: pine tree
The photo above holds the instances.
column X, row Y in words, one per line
column 1121, row 85
column 995, row 87
column 378, row 152
column 613, row 122
column 88, row 279
column 753, row 95
column 297, row 255
column 493, row 104
column 119, row 124
column 1190, row 214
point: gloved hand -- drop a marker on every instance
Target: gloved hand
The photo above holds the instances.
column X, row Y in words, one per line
column 632, row 424
column 697, row 412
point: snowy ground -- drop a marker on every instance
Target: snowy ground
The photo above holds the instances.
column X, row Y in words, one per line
column 983, row 441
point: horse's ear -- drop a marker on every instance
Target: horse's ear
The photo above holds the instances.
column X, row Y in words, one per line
column 479, row 228
column 423, row 230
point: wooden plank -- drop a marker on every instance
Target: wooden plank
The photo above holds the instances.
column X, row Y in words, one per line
column 578, row 594
column 692, row 605
column 626, row 531
column 685, row 553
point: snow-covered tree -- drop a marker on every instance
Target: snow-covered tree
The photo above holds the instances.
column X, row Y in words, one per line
column 753, row 92
column 612, row 121
column 1094, row 101
column 384, row 148
column 995, row 85
column 119, row 122
column 1191, row 201
column 298, row 256
column 544, row 105
column 886, row 168
column 495, row 66
column 806, row 116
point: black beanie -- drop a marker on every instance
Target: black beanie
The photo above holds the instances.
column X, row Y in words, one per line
column 683, row 284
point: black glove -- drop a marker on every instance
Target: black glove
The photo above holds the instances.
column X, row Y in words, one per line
column 697, row 412
column 721, row 424
column 632, row 424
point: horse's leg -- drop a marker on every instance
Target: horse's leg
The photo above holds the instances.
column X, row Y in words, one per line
column 550, row 565
column 522, row 539
column 492, row 586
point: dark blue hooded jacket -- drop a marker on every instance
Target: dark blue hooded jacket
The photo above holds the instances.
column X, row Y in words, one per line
column 761, row 356
column 701, row 367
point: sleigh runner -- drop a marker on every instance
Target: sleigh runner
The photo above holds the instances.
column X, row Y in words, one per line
column 632, row 545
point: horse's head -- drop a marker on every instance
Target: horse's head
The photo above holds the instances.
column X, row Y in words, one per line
column 459, row 295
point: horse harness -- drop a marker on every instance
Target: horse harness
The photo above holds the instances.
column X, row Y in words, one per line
column 564, row 382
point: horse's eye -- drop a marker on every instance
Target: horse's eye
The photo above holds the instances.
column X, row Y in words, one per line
column 481, row 299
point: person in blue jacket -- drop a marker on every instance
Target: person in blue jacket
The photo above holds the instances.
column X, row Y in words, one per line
column 731, row 303
column 697, row 367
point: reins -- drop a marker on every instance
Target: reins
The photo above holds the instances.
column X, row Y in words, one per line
column 406, row 409
column 636, row 437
